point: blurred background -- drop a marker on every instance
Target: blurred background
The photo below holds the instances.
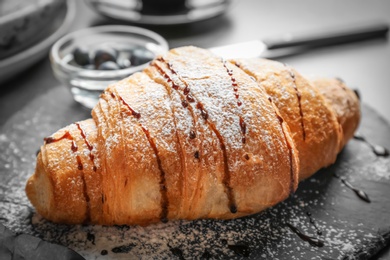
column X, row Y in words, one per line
column 362, row 65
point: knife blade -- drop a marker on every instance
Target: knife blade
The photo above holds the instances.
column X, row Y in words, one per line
column 264, row 48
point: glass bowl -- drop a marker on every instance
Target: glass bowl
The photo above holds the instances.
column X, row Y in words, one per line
column 86, row 84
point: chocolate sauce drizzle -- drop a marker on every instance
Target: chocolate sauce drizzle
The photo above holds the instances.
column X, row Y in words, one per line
column 74, row 148
column 290, row 153
column 196, row 155
column 163, row 185
column 361, row 194
column 239, row 103
column 319, row 231
column 376, row 149
column 292, row 175
column 133, row 113
column 163, row 188
column 341, row 83
column 311, row 240
column 192, row 134
column 243, row 129
column 90, row 147
column 299, row 96
column 204, row 114
column 188, row 98
column 357, row 93
column 234, row 83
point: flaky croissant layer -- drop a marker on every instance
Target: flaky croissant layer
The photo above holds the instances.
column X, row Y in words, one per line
column 193, row 136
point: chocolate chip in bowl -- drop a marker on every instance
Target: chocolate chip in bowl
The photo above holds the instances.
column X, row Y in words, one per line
column 88, row 60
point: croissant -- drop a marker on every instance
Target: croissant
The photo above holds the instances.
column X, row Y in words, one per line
column 193, row 136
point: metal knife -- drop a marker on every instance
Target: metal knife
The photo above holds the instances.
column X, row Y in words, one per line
column 264, row 48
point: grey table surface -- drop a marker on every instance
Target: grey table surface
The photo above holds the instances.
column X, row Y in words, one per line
column 364, row 66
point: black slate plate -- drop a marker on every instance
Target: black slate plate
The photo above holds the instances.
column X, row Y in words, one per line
column 324, row 207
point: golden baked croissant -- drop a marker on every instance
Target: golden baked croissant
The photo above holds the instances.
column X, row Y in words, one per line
column 193, row 136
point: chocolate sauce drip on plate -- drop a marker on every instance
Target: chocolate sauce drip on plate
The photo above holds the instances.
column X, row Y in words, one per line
column 299, row 96
column 90, row 147
column 319, row 231
column 204, row 114
column 311, row 240
column 361, row 194
column 376, row 149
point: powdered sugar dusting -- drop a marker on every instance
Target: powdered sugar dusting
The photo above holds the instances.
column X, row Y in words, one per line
column 264, row 235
